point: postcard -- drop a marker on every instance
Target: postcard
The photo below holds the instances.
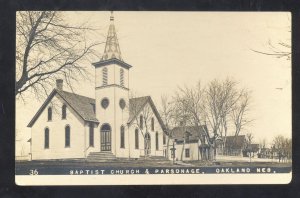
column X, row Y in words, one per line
column 140, row 98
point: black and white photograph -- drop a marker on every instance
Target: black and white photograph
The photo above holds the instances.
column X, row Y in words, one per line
column 149, row 97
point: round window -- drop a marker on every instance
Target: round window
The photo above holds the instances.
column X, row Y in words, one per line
column 122, row 103
column 104, row 103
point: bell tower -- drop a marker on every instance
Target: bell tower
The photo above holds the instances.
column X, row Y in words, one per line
column 112, row 96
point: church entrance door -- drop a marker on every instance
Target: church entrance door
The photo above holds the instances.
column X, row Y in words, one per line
column 105, row 137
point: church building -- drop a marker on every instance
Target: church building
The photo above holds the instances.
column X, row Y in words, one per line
column 111, row 125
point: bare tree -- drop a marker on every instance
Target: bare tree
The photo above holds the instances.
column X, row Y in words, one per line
column 190, row 103
column 249, row 139
column 283, row 147
column 263, row 143
column 181, row 116
column 278, row 49
column 47, row 48
column 211, row 106
column 240, row 110
column 166, row 113
column 221, row 96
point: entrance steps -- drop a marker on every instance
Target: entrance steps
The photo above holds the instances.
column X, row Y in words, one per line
column 101, row 157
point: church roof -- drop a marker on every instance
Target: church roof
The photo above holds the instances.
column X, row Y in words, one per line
column 82, row 105
column 136, row 106
column 112, row 48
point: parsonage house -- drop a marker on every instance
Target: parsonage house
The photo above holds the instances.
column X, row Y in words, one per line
column 187, row 144
column 68, row 125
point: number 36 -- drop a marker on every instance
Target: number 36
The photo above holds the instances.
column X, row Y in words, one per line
column 33, row 172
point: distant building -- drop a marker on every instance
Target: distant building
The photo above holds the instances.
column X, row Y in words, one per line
column 231, row 145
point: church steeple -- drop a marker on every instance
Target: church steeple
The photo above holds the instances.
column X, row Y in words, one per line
column 112, row 48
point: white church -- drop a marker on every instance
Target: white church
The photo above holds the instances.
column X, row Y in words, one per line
column 111, row 125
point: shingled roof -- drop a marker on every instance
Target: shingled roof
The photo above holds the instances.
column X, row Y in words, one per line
column 82, row 105
column 179, row 132
column 136, row 105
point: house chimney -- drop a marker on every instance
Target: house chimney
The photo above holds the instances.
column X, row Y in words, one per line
column 59, row 84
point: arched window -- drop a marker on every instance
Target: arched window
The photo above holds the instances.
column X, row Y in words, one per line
column 152, row 124
column 136, row 139
column 46, row 142
column 156, row 140
column 104, row 76
column 141, row 122
column 122, row 131
column 67, row 136
column 64, row 112
column 49, row 114
column 91, row 135
column 121, row 77
column 164, row 139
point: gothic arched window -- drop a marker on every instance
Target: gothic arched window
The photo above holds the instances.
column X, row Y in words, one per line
column 46, row 142
column 121, row 77
column 104, row 76
column 67, row 136
column 136, row 139
column 64, row 112
column 141, row 122
column 122, row 131
column 49, row 114
column 152, row 124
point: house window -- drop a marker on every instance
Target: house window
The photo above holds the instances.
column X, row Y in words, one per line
column 187, row 152
column 164, row 139
column 46, row 143
column 156, row 140
column 121, row 77
column 122, row 137
column 104, row 76
column 136, row 139
column 67, row 136
column 64, row 112
column 49, row 114
column 152, row 124
column 141, row 122
column 91, row 135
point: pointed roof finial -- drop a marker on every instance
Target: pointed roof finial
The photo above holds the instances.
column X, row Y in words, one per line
column 112, row 48
column 111, row 15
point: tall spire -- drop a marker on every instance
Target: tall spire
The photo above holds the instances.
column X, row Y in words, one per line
column 112, row 48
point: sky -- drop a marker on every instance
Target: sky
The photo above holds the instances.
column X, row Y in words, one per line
column 171, row 49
